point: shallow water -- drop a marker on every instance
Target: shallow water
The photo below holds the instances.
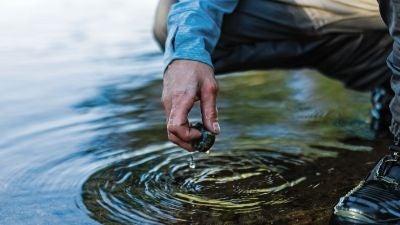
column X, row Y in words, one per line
column 83, row 136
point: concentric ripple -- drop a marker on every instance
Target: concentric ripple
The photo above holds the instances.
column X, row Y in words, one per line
column 160, row 187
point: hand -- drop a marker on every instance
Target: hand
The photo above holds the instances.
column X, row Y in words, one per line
column 185, row 82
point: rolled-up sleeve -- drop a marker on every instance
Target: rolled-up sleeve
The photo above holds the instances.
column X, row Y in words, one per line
column 194, row 27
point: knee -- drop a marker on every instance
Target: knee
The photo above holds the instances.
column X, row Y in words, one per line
column 160, row 21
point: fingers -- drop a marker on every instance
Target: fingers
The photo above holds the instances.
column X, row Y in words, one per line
column 184, row 82
column 178, row 123
column 185, row 145
column 179, row 131
column 209, row 106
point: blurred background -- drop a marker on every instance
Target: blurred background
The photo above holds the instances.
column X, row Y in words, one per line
column 82, row 137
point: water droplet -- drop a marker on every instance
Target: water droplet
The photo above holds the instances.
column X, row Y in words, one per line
column 192, row 164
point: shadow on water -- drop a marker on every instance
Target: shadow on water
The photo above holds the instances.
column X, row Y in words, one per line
column 291, row 144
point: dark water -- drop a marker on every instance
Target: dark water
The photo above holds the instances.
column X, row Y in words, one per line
column 83, row 135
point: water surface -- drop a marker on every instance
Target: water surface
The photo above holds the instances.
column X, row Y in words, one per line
column 83, row 137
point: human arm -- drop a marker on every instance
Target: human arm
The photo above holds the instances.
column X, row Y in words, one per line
column 193, row 31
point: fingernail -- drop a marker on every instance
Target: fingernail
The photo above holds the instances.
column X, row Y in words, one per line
column 216, row 127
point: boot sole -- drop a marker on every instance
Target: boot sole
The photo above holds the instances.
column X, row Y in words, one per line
column 357, row 219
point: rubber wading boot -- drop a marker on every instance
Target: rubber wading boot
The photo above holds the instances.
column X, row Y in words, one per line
column 375, row 200
column 380, row 112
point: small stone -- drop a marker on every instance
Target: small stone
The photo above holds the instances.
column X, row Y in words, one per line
column 206, row 140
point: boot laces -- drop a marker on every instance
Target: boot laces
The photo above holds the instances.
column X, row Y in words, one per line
column 394, row 159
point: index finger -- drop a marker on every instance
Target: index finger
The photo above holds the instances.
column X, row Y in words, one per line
column 178, row 123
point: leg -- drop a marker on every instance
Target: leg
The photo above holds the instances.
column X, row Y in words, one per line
column 358, row 60
column 377, row 199
column 274, row 34
column 160, row 21
column 390, row 10
column 355, row 58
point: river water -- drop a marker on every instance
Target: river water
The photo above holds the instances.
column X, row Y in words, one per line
column 83, row 137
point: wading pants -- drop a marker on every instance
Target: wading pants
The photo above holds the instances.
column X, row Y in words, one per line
column 390, row 11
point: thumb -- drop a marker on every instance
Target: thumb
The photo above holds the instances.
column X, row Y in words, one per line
column 208, row 100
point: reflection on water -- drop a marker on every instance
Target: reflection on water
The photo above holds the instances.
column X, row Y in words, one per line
column 159, row 185
column 280, row 143
column 83, row 136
